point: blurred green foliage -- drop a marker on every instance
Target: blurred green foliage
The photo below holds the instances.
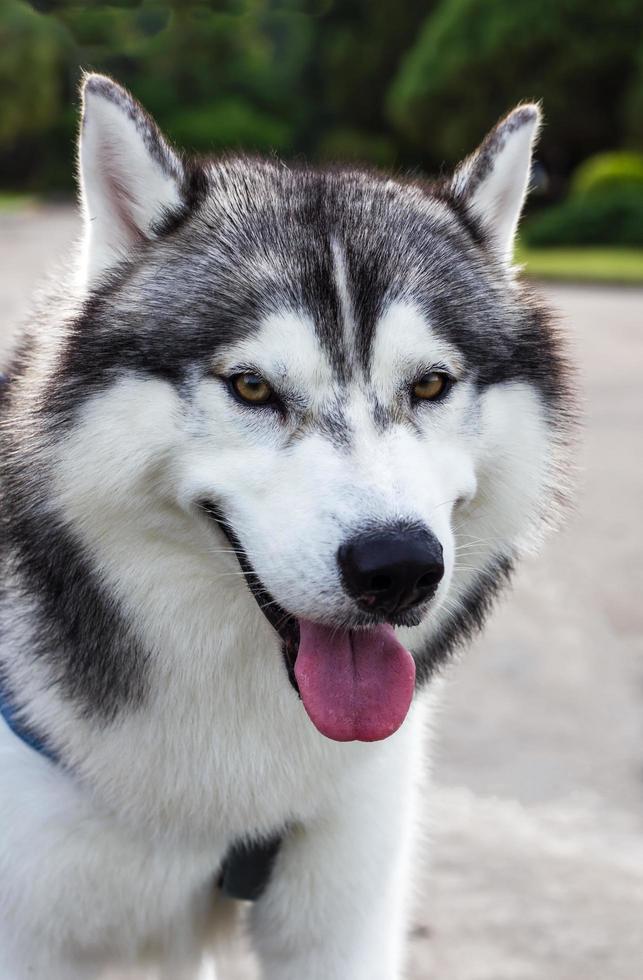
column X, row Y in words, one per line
column 583, row 264
column 607, row 170
column 605, row 206
column 474, row 58
column 394, row 82
column 612, row 216
column 31, row 60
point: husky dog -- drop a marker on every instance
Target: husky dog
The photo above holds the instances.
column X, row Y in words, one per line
column 266, row 460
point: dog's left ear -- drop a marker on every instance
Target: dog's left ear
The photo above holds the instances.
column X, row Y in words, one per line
column 493, row 181
column 130, row 177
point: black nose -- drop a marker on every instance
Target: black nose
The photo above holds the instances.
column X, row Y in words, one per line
column 391, row 570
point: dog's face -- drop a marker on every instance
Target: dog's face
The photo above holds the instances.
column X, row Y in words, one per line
column 333, row 376
column 336, row 473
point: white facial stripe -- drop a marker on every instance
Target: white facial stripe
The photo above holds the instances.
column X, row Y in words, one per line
column 285, row 349
column 345, row 303
column 403, row 343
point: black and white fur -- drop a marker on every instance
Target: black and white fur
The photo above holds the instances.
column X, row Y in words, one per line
column 130, row 640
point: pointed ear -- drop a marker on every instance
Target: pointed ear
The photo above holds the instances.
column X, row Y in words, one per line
column 493, row 181
column 129, row 175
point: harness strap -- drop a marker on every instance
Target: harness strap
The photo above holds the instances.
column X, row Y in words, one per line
column 247, row 868
column 20, row 730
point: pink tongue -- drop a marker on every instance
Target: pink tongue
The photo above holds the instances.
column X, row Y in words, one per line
column 355, row 684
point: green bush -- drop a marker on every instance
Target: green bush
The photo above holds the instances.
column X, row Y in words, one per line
column 32, row 53
column 399, row 83
column 613, row 216
column 607, row 170
column 344, row 144
column 228, row 124
column 473, row 59
column 634, row 105
column 287, row 76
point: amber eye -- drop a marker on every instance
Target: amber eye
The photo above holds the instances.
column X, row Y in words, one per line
column 432, row 386
column 251, row 388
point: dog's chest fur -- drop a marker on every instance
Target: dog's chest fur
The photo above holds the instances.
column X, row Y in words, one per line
column 221, row 747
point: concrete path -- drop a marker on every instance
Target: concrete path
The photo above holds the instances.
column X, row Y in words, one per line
column 536, row 810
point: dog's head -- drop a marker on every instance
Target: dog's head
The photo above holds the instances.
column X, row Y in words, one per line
column 332, row 377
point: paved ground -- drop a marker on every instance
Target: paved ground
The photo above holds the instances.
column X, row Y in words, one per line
column 537, row 801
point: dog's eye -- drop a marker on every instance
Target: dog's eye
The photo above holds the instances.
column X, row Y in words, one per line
column 251, row 388
column 432, row 386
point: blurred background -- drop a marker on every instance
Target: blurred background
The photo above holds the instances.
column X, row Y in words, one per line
column 403, row 84
column 535, row 810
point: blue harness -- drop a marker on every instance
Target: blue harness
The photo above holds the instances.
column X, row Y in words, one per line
column 22, row 731
column 7, row 710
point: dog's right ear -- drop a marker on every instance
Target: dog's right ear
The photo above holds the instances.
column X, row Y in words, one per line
column 130, row 177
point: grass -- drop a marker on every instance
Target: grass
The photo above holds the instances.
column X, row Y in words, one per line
column 617, row 265
column 10, row 201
